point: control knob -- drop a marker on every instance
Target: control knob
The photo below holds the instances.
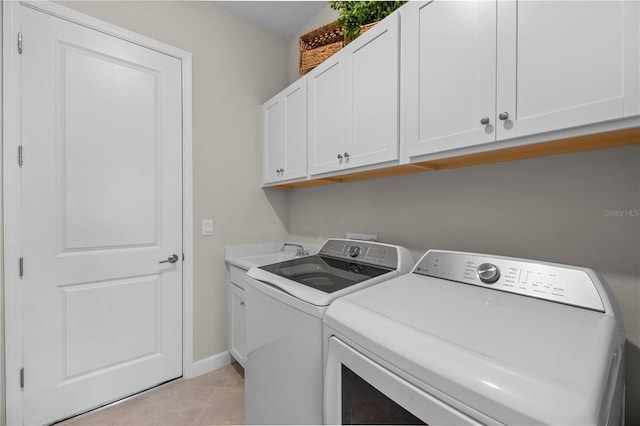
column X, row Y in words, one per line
column 354, row 251
column 488, row 273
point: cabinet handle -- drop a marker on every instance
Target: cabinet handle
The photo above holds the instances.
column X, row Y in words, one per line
column 346, row 155
column 339, row 156
column 503, row 116
column 484, row 121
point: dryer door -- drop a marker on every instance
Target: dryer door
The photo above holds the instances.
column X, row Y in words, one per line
column 360, row 391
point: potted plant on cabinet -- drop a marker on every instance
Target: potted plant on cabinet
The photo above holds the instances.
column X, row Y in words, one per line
column 358, row 16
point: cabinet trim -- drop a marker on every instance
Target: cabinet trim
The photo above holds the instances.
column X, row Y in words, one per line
column 611, row 139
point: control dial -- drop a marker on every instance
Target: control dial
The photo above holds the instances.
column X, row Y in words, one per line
column 354, row 251
column 488, row 273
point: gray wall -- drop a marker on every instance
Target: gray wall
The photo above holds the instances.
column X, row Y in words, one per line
column 552, row 209
column 325, row 16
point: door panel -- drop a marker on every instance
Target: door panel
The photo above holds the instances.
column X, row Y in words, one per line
column 374, row 95
column 328, row 114
column 295, row 123
column 450, row 62
column 102, row 205
column 97, row 314
column 570, row 64
column 92, row 148
column 274, row 143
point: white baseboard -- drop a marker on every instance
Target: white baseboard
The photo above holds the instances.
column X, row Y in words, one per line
column 211, row 363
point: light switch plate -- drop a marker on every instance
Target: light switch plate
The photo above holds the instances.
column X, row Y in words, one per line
column 207, row 227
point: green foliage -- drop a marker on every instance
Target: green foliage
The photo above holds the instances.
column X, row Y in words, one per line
column 354, row 14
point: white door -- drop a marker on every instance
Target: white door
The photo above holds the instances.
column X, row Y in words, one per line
column 449, row 65
column 102, row 205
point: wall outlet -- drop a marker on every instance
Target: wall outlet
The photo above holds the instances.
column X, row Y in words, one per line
column 362, row 237
column 207, row 227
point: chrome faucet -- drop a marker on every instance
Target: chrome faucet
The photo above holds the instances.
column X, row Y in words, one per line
column 300, row 250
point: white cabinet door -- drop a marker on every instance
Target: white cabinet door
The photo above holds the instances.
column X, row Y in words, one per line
column 477, row 72
column 563, row 64
column 374, row 81
column 273, row 139
column 353, row 103
column 449, row 61
column 295, row 126
column 236, row 323
column 284, row 119
column 329, row 114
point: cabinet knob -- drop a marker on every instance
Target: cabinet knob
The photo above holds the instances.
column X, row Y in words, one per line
column 242, row 303
column 339, row 156
column 484, row 121
column 346, row 155
column 503, row 116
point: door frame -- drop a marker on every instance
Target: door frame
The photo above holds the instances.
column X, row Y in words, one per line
column 12, row 183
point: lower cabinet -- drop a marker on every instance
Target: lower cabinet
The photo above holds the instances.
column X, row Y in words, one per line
column 236, row 314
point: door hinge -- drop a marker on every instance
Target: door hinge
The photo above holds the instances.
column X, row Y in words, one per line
column 21, row 263
column 22, row 378
column 20, row 42
column 20, row 156
column 183, row 257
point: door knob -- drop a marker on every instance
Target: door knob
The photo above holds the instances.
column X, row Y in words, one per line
column 171, row 259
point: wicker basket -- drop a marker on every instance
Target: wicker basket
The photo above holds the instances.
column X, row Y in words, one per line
column 318, row 45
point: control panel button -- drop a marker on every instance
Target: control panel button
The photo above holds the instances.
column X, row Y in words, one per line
column 488, row 273
column 354, row 251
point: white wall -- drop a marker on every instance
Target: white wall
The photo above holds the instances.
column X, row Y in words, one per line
column 325, row 16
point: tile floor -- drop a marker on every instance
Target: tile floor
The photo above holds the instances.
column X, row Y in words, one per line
column 215, row 398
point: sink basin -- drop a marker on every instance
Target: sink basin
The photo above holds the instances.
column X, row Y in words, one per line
column 266, row 259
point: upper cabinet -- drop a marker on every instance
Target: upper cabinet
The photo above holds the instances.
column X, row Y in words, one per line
column 354, row 103
column 478, row 72
column 447, row 83
column 284, row 121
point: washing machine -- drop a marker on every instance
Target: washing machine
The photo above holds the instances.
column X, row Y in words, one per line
column 284, row 306
column 477, row 339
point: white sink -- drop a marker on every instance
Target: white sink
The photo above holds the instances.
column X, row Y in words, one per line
column 266, row 259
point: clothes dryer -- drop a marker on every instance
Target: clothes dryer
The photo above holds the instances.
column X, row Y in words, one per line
column 477, row 339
